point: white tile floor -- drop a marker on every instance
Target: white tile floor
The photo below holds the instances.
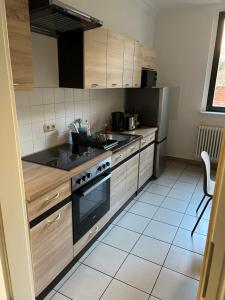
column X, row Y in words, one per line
column 147, row 253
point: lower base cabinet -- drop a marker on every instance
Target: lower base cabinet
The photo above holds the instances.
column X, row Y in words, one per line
column 146, row 165
column 124, row 183
column 51, row 247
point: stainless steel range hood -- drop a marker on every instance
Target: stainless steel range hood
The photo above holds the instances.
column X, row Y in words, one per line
column 52, row 17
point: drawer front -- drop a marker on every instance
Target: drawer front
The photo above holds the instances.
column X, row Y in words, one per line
column 51, row 246
column 133, row 148
column 118, row 185
column 118, row 157
column 91, row 234
column 38, row 206
column 132, row 176
column 147, row 140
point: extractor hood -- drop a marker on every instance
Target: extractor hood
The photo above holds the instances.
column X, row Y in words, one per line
column 52, row 17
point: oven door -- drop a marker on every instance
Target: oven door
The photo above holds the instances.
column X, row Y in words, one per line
column 90, row 204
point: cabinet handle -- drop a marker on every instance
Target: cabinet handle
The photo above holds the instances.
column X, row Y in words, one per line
column 96, row 230
column 127, row 84
column 50, row 222
column 94, row 85
column 56, row 196
column 15, row 84
column 114, row 84
column 136, row 84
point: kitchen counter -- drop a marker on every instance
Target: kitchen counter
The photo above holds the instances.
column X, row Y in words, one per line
column 39, row 179
column 144, row 131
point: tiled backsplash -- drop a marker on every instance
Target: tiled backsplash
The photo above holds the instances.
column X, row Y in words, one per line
column 61, row 106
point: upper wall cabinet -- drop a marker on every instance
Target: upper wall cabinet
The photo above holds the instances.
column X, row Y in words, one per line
column 20, row 43
column 128, row 63
column 82, row 59
column 95, row 50
column 115, row 52
column 100, row 58
column 148, row 58
column 138, row 60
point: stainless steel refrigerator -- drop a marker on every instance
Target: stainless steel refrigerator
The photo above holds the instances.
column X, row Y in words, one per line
column 152, row 106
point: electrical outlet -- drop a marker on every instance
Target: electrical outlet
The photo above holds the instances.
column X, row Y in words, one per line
column 49, row 127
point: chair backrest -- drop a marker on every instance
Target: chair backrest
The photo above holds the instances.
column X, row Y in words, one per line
column 207, row 171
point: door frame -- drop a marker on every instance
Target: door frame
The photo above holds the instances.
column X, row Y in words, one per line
column 12, row 194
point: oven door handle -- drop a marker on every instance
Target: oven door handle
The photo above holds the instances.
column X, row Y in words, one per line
column 85, row 193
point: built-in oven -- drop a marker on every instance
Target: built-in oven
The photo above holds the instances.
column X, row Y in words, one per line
column 90, row 198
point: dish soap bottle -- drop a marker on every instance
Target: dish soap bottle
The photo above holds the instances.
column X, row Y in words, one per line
column 88, row 128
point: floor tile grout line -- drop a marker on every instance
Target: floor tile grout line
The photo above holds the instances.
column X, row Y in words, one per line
column 165, row 258
column 168, row 252
column 124, row 261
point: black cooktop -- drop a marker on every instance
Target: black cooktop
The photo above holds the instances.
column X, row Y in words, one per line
column 65, row 157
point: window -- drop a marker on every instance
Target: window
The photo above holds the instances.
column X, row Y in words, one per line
column 216, row 96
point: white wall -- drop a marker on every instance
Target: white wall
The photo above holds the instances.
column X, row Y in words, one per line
column 182, row 41
column 132, row 18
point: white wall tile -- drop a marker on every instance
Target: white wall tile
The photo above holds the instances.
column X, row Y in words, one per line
column 37, row 130
column 39, row 144
column 68, row 95
column 36, row 96
column 60, row 125
column 48, row 95
column 22, row 98
column 49, row 112
column 59, row 110
column 77, row 94
column 27, row 148
column 24, row 115
column 25, row 132
column 69, row 108
column 37, row 113
column 61, row 106
column 59, row 95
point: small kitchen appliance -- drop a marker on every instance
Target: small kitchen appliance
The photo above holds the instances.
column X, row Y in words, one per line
column 148, row 78
column 118, row 121
column 130, row 122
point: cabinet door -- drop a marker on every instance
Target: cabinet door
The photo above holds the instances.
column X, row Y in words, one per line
column 115, row 50
column 137, row 64
column 128, row 63
column 149, row 58
column 132, row 176
column 118, row 188
column 51, row 246
column 146, row 165
column 95, row 49
column 20, row 43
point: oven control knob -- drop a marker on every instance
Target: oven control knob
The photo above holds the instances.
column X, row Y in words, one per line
column 89, row 175
column 108, row 164
column 100, row 168
column 84, row 178
column 104, row 166
column 79, row 181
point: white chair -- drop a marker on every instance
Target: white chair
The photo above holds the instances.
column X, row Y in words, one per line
column 208, row 186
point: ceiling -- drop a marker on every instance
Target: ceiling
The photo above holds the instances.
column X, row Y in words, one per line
column 178, row 3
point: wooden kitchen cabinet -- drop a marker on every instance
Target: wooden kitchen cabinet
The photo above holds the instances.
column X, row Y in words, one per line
column 115, row 52
column 128, row 63
column 148, row 58
column 18, row 23
column 51, row 247
column 137, row 64
column 132, row 176
column 95, row 58
column 124, row 183
column 146, row 164
column 118, row 187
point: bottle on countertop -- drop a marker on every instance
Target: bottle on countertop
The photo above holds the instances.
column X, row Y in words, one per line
column 87, row 126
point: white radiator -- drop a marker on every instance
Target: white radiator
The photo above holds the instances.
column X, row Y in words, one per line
column 209, row 139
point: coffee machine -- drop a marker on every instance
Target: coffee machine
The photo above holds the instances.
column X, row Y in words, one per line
column 118, row 121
